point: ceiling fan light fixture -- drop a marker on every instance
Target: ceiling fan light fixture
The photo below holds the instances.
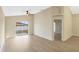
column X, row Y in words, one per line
column 27, row 13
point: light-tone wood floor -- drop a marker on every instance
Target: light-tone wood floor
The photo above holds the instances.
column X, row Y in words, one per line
column 31, row 43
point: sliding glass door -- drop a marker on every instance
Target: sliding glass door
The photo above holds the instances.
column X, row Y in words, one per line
column 22, row 28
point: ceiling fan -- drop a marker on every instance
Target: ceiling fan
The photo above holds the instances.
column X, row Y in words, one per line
column 27, row 13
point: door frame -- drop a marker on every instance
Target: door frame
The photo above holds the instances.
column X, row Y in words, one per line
column 62, row 19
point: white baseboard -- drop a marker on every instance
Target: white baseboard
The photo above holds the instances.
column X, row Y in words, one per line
column 67, row 38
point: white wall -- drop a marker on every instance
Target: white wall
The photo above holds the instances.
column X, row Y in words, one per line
column 43, row 23
column 2, row 28
column 67, row 25
column 11, row 24
column 75, row 24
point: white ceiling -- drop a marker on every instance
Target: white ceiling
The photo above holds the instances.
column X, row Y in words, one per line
column 21, row 10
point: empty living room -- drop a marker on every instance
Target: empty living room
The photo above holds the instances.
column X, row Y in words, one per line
column 39, row 28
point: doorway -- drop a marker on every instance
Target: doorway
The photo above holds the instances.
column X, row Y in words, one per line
column 57, row 29
column 21, row 28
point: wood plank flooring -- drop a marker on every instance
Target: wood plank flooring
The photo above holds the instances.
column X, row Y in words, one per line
column 32, row 43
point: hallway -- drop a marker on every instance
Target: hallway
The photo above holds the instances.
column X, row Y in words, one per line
column 31, row 43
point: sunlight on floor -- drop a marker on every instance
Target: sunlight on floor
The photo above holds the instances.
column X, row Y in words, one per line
column 24, row 37
column 21, row 42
